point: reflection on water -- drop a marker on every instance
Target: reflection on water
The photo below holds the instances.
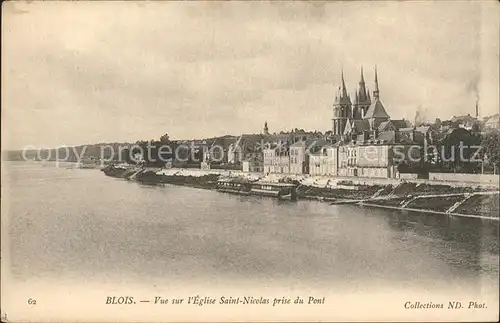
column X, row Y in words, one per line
column 81, row 224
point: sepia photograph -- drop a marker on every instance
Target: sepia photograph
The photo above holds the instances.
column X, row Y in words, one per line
column 230, row 161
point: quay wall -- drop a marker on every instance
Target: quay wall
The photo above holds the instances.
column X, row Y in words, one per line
column 471, row 178
column 450, row 179
column 408, row 176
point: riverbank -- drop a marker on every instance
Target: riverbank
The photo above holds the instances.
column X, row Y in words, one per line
column 460, row 200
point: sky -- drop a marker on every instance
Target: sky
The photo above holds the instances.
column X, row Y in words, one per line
column 91, row 72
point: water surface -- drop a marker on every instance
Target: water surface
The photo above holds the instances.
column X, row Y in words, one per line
column 80, row 224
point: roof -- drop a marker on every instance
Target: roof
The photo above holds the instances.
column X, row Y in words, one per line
column 376, row 110
column 401, row 123
column 493, row 119
column 309, row 142
column 317, row 145
column 357, row 126
column 406, row 129
column 423, row 129
column 467, row 117
column 384, row 125
column 387, row 136
column 335, row 138
column 361, row 125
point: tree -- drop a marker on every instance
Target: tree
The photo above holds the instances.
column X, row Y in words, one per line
column 165, row 139
column 458, row 151
column 491, row 146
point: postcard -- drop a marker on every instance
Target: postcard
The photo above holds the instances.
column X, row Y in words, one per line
column 228, row 161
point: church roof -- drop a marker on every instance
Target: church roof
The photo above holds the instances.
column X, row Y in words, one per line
column 357, row 126
column 376, row 110
column 384, row 125
column 361, row 125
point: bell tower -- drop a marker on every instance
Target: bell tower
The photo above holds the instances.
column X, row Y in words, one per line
column 342, row 108
column 362, row 99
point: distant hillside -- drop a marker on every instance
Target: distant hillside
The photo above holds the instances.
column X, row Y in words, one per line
column 70, row 154
column 94, row 150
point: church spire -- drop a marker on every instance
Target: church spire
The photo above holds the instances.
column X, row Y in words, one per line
column 344, row 90
column 362, row 93
column 376, row 91
column 342, row 97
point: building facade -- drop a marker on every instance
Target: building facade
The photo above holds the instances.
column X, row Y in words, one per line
column 375, row 160
column 253, row 165
column 347, row 159
column 299, row 159
column 276, row 160
column 493, row 122
column 324, row 162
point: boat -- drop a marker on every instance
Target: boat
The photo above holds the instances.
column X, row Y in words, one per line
column 115, row 170
column 282, row 191
column 86, row 166
column 88, row 163
column 234, row 186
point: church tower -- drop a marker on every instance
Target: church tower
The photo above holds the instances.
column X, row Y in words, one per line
column 342, row 108
column 376, row 112
column 266, row 129
column 362, row 99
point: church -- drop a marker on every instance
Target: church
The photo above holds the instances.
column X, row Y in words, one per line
column 365, row 118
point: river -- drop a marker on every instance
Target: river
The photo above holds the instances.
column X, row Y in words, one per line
column 66, row 223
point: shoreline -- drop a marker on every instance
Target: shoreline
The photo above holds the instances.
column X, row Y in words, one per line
column 468, row 201
column 430, row 211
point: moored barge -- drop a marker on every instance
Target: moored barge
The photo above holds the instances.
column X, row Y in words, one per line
column 283, row 191
column 234, row 186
